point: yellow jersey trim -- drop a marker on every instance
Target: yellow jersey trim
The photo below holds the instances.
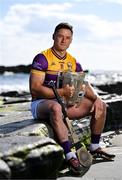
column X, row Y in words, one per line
column 37, row 72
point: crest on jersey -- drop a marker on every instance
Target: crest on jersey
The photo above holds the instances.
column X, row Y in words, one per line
column 69, row 65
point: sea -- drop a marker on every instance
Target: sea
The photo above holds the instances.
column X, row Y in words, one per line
column 10, row 81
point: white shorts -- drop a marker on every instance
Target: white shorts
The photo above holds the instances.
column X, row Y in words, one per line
column 34, row 105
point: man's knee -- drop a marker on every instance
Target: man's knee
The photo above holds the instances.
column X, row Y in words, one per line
column 56, row 114
column 102, row 112
column 56, row 109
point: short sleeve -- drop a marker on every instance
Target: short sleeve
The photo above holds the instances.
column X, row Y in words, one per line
column 39, row 63
column 78, row 67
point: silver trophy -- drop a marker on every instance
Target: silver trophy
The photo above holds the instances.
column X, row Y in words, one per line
column 72, row 79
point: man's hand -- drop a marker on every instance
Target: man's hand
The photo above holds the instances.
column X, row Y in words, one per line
column 68, row 91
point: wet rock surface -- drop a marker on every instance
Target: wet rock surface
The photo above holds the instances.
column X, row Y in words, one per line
column 30, row 157
column 28, row 149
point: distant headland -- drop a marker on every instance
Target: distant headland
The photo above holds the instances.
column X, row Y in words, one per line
column 15, row 69
column 19, row 69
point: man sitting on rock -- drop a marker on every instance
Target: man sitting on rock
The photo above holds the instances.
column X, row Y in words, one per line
column 45, row 68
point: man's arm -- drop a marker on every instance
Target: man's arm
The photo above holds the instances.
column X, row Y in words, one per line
column 38, row 90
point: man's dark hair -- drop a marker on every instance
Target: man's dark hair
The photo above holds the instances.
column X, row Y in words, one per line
column 65, row 26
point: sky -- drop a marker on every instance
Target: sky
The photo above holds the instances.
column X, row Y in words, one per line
column 26, row 28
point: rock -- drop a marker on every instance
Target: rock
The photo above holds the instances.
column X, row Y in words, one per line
column 114, row 116
column 5, row 172
column 32, row 128
column 17, row 166
column 111, row 88
column 82, row 129
column 44, row 161
column 117, row 140
column 31, row 156
column 27, row 146
column 10, row 94
column 114, row 105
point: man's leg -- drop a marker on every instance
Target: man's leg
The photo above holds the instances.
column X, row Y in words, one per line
column 97, row 122
column 97, row 125
column 54, row 109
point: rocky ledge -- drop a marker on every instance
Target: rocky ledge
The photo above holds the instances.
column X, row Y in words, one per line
column 28, row 148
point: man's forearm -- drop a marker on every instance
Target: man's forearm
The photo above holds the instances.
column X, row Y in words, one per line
column 90, row 92
column 45, row 92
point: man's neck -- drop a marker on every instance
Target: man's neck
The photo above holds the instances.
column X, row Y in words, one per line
column 60, row 53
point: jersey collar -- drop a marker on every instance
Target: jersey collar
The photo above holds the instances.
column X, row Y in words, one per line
column 57, row 55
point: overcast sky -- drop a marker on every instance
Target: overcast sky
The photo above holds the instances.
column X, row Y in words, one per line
column 26, row 28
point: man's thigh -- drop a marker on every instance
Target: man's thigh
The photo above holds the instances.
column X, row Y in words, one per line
column 84, row 108
column 44, row 108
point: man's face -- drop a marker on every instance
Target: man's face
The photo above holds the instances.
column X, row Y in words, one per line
column 62, row 39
